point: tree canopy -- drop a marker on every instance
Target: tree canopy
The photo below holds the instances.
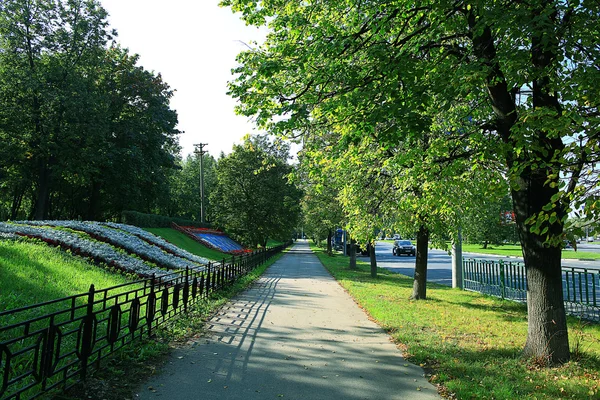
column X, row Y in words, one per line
column 253, row 198
column 86, row 132
column 514, row 85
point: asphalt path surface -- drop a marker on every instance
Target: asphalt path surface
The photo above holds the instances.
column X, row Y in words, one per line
column 439, row 263
column 294, row 334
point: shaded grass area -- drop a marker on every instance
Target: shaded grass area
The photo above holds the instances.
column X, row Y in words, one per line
column 32, row 272
column 273, row 243
column 515, row 251
column 180, row 240
column 471, row 343
column 127, row 369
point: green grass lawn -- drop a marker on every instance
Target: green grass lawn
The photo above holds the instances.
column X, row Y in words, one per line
column 181, row 240
column 33, row 272
column 515, row 251
column 470, row 343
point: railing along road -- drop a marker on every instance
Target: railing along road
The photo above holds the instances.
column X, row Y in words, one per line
column 507, row 280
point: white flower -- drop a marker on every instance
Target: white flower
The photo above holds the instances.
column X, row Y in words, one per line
column 128, row 242
column 97, row 250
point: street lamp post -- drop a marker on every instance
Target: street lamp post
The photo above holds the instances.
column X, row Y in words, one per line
column 200, row 151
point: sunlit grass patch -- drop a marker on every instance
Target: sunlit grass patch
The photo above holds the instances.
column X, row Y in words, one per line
column 33, row 272
column 181, row 240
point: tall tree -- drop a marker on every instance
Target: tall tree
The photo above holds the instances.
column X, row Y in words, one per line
column 524, row 76
column 88, row 133
column 253, row 198
column 45, row 44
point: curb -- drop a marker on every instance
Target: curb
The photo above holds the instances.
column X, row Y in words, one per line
column 521, row 258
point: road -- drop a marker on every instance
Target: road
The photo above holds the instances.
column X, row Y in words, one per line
column 439, row 263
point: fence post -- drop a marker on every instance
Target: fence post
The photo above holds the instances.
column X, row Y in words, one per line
column 87, row 333
column 231, row 267
column 502, row 281
column 208, row 282
column 186, row 289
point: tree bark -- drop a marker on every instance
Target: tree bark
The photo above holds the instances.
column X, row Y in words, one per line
column 329, row 237
column 420, row 279
column 43, row 192
column 547, row 337
column 373, row 260
column 17, row 200
column 353, row 254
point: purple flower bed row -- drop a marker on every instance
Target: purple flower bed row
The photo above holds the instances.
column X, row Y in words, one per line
column 130, row 243
column 98, row 251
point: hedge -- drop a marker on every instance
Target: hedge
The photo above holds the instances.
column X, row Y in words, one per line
column 157, row 221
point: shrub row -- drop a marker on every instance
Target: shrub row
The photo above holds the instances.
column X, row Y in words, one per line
column 157, row 221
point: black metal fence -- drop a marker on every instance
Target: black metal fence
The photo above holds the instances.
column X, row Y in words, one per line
column 39, row 353
column 507, row 280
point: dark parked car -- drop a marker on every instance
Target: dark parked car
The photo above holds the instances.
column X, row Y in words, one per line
column 404, row 247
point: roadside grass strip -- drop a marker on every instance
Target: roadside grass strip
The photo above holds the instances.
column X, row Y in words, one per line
column 97, row 251
column 129, row 242
column 470, row 344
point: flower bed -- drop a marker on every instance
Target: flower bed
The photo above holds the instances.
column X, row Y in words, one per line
column 128, row 242
column 99, row 252
column 196, row 234
column 203, row 230
column 156, row 241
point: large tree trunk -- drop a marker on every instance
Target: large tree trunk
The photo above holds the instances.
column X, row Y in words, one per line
column 17, row 200
column 42, row 200
column 352, row 254
column 420, row 279
column 329, row 237
column 373, row 259
column 547, row 337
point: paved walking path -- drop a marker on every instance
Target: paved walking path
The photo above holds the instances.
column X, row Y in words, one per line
column 295, row 334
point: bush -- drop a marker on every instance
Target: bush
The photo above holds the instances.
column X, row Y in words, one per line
column 157, row 221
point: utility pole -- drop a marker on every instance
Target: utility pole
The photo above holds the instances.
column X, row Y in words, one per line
column 200, row 151
column 457, row 262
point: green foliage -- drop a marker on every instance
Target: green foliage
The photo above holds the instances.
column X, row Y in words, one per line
column 184, row 188
column 86, row 132
column 253, row 198
column 486, row 222
column 420, row 107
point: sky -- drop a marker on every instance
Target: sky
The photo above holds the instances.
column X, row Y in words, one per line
column 193, row 45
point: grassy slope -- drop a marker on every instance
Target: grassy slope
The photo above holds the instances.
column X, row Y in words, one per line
column 32, row 273
column 183, row 241
column 472, row 342
column 186, row 243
